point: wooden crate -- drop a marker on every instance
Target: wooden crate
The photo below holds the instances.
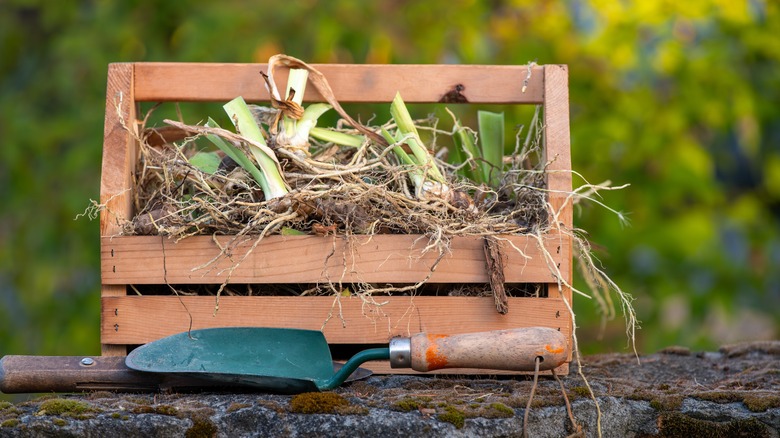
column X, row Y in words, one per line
column 128, row 319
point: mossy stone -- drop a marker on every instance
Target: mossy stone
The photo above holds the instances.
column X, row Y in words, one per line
column 11, row 422
column 202, row 427
column 406, row 405
column 317, row 403
column 454, row 416
column 502, row 409
column 667, row 403
column 761, row 402
column 675, row 424
column 159, row 409
column 62, row 406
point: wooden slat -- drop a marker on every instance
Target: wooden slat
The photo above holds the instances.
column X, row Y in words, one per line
column 351, row 320
column 350, row 83
column 317, row 259
column 119, row 158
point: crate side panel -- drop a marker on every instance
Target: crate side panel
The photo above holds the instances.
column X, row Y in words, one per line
column 350, row 82
column 317, row 259
column 346, row 320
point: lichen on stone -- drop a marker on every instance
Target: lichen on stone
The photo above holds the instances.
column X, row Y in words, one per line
column 237, row 406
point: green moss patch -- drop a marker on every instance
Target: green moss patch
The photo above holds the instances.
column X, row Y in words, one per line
column 667, row 403
column 317, row 403
column 408, row 404
column 761, row 402
column 493, row 410
column 640, row 394
column 578, row 391
column 11, row 422
column 202, row 427
column 719, row 396
column 156, row 409
column 454, row 416
column 70, row 408
column 8, row 411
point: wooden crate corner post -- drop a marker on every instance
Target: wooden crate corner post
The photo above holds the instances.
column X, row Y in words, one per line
column 116, row 179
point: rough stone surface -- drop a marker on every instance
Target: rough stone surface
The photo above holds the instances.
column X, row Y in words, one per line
column 733, row 392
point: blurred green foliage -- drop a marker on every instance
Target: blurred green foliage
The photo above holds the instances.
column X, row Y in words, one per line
column 679, row 99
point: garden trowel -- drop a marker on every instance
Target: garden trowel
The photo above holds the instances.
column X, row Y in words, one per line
column 293, row 360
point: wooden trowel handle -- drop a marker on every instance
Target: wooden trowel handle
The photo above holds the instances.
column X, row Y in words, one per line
column 27, row 374
column 511, row 350
column 24, row 374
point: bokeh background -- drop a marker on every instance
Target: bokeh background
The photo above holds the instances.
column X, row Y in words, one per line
column 680, row 99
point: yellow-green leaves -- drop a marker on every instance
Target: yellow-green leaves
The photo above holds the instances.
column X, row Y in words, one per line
column 425, row 175
column 207, row 162
column 485, row 151
column 336, row 137
column 491, row 144
column 411, row 138
column 416, row 174
column 271, row 179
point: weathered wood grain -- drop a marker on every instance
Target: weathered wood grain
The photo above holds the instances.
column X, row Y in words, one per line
column 350, row 82
column 119, row 159
column 136, row 319
column 318, row 259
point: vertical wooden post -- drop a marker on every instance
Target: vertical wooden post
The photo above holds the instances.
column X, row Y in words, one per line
column 116, row 181
column 559, row 177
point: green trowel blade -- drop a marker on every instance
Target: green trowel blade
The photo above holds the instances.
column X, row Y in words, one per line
column 273, row 359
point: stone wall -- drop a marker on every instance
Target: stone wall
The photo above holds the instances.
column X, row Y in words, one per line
column 733, row 392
